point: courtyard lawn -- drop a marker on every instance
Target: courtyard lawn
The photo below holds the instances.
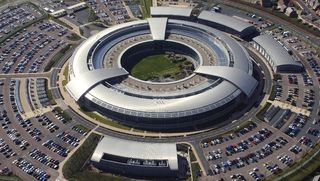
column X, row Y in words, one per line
column 154, row 66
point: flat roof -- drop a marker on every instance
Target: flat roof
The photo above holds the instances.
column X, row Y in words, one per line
column 158, row 27
column 225, row 20
column 137, row 150
column 278, row 54
column 170, row 11
column 84, row 82
column 237, row 77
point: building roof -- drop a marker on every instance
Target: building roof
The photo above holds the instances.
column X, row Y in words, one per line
column 172, row 104
column 91, row 78
column 277, row 53
column 170, row 11
column 137, row 150
column 237, row 77
column 225, row 20
column 81, row 53
column 158, row 27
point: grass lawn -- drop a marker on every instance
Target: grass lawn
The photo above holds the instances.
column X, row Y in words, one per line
column 11, row 177
column 192, row 156
column 74, row 37
column 154, row 66
column 74, row 164
column 195, row 167
column 65, row 74
column 2, row 2
column 80, row 126
column 58, row 56
column 92, row 175
column 145, row 7
column 104, row 120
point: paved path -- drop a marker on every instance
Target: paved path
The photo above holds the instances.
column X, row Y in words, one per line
column 289, row 106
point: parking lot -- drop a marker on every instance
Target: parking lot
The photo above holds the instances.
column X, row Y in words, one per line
column 111, row 11
column 33, row 147
column 254, row 152
column 30, row 50
column 16, row 16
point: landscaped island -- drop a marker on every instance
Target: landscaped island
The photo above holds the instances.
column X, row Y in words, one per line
column 163, row 68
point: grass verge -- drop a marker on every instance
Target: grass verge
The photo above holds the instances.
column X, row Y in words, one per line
column 11, row 177
column 66, row 116
column 56, row 58
column 65, row 74
column 74, row 37
column 80, row 126
column 88, row 174
column 260, row 114
column 195, row 168
column 238, row 128
column 145, row 7
column 104, row 120
column 73, row 165
column 49, row 93
column 192, row 156
column 60, row 22
column 2, row 2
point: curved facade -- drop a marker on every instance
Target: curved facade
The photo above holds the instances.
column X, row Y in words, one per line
column 138, row 159
column 276, row 55
column 222, row 78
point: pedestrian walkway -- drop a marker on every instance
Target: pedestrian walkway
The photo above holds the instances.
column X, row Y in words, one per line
column 295, row 109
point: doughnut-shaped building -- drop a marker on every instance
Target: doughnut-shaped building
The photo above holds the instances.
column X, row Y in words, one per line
column 99, row 75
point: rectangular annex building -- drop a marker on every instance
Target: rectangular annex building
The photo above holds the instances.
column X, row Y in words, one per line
column 276, row 55
column 137, row 159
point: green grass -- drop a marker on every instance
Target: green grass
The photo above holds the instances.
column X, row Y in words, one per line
column 92, row 16
column 192, row 156
column 66, row 116
column 11, row 177
column 105, row 120
column 277, row 76
column 195, row 167
column 49, row 93
column 242, row 125
column 57, row 57
column 260, row 114
column 74, row 37
column 73, row 165
column 80, row 126
column 65, row 74
column 60, row 22
column 92, row 175
column 154, row 66
column 2, row 2
column 145, row 7
column 238, row 128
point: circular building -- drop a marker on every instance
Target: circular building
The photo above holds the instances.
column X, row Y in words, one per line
column 215, row 77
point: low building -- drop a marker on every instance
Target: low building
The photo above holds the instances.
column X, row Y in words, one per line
column 136, row 159
column 227, row 24
column 171, row 12
column 276, row 55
